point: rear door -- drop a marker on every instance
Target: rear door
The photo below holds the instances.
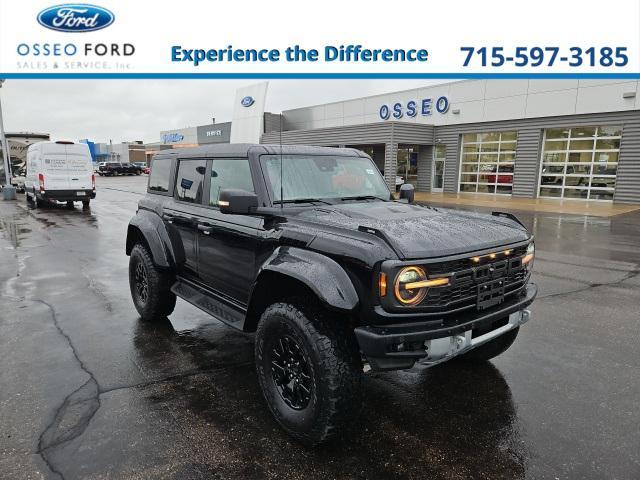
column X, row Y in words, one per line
column 187, row 211
column 79, row 167
column 54, row 167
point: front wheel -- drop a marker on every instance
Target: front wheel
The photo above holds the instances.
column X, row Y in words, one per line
column 309, row 370
column 150, row 287
column 492, row 348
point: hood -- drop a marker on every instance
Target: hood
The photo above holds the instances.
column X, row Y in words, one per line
column 415, row 231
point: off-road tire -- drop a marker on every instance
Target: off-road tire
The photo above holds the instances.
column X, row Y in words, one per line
column 160, row 300
column 492, row 348
column 333, row 358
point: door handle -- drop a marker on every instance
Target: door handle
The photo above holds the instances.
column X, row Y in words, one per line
column 205, row 228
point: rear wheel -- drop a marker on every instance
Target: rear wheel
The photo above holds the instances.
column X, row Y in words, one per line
column 150, row 287
column 85, row 203
column 38, row 201
column 309, row 370
column 492, row 348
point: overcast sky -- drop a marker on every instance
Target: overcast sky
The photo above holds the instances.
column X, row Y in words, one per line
column 127, row 110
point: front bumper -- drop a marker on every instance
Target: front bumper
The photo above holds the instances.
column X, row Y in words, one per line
column 395, row 347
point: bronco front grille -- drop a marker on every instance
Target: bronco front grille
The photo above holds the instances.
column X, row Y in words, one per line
column 462, row 290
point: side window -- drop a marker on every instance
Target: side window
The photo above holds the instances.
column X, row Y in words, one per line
column 160, row 177
column 229, row 173
column 190, row 180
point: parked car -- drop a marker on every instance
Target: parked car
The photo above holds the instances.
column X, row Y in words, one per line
column 553, row 175
column 110, row 169
column 306, row 247
column 132, row 169
column 59, row 172
column 505, row 175
column 18, row 181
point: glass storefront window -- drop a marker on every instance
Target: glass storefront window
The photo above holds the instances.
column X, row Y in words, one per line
column 580, row 162
column 553, row 145
column 439, row 156
column 557, row 133
column 488, row 162
column 583, row 132
column 608, row 144
column 609, row 131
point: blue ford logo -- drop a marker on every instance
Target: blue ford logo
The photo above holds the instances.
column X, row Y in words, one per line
column 75, row 17
column 247, row 101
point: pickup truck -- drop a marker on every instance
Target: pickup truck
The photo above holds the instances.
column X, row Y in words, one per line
column 109, row 169
column 307, row 248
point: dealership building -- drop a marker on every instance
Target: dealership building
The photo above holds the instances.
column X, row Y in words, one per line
column 573, row 139
column 555, row 139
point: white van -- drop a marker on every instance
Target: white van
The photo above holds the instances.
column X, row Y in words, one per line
column 59, row 171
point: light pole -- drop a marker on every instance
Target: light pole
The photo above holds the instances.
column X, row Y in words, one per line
column 8, row 192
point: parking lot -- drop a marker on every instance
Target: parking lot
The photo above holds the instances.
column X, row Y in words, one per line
column 87, row 390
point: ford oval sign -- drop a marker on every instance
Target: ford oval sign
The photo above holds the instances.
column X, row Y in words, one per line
column 75, row 17
column 247, row 101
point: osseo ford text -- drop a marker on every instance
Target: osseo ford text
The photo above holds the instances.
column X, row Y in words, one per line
column 71, row 49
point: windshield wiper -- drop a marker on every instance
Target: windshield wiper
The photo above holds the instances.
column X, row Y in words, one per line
column 363, row 197
column 302, row 200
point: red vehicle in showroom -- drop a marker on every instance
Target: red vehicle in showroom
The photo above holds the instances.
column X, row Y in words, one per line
column 505, row 175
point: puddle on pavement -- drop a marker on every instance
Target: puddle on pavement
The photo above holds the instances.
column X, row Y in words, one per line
column 13, row 229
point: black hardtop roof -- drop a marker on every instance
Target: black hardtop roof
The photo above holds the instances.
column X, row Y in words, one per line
column 243, row 149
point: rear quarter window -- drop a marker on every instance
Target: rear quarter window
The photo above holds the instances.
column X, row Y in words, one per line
column 160, row 177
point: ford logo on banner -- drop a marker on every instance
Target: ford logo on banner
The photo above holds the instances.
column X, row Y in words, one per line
column 75, row 17
column 247, row 101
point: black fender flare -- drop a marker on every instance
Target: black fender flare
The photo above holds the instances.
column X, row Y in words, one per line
column 321, row 274
column 165, row 247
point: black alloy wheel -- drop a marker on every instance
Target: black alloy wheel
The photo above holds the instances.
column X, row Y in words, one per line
column 141, row 283
column 291, row 372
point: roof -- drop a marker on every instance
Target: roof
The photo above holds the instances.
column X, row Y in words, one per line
column 243, row 149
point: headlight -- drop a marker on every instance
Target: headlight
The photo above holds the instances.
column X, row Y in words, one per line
column 404, row 279
column 411, row 285
column 531, row 251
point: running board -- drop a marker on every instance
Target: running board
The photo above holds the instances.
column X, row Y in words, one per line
column 210, row 303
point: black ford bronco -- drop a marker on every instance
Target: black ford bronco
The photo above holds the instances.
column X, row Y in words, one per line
column 306, row 247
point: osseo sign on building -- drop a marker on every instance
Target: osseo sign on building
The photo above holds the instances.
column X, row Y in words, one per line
column 413, row 108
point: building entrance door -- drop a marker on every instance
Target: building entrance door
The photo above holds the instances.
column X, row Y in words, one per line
column 407, row 166
column 439, row 155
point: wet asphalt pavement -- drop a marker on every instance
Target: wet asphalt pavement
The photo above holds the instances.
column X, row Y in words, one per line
column 87, row 390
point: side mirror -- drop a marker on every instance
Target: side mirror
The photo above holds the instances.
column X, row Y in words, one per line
column 407, row 191
column 238, row 202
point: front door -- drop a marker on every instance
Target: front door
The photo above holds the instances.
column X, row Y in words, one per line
column 227, row 243
column 439, row 154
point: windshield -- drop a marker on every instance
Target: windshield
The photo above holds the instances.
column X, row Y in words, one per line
column 323, row 177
